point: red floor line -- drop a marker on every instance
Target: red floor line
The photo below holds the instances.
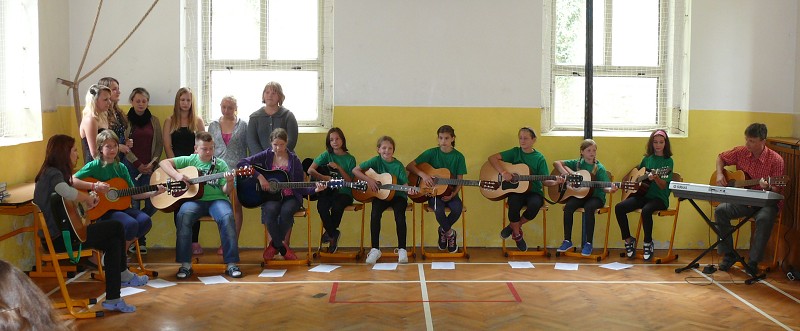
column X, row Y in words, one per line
column 334, row 288
column 514, row 292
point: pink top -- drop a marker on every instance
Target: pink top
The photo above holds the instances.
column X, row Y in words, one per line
column 227, row 138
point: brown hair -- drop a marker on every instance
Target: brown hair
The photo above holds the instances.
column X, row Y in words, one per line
column 203, row 136
column 328, row 139
column 386, row 138
column 102, row 137
column 448, row 129
column 667, row 148
column 23, row 306
column 57, row 156
column 279, row 133
column 175, row 118
column 278, row 89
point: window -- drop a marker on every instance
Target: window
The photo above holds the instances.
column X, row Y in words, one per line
column 244, row 44
column 20, row 103
column 637, row 56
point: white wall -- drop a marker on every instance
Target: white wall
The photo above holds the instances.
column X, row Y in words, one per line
column 448, row 52
column 53, row 53
column 743, row 55
column 438, row 53
column 150, row 58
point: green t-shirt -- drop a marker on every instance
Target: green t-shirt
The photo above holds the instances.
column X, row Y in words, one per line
column 213, row 188
column 96, row 170
column 535, row 162
column 453, row 161
column 346, row 162
column 653, row 162
column 395, row 168
column 600, row 175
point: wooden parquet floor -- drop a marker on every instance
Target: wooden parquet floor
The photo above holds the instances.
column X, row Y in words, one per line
column 483, row 293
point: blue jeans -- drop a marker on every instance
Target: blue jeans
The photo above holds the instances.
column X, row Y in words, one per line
column 438, row 205
column 278, row 217
column 135, row 222
column 222, row 213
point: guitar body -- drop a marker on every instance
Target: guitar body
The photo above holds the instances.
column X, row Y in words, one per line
column 731, row 176
column 249, row 191
column 423, row 194
column 109, row 200
column 643, row 185
column 172, row 199
column 71, row 216
column 382, row 194
column 490, row 174
column 570, row 191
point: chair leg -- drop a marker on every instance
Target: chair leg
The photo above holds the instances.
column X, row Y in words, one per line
column 140, row 269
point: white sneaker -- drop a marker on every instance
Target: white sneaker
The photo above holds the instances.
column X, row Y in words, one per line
column 402, row 256
column 373, row 256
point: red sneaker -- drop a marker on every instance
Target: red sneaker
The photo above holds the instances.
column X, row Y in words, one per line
column 269, row 252
column 289, row 254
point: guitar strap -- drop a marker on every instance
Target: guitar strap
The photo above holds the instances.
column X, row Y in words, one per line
column 68, row 245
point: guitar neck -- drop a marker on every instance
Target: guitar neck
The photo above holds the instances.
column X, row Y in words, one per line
column 137, row 190
column 455, row 181
column 206, row 178
column 537, row 178
column 596, row 184
column 396, row 187
column 284, row 185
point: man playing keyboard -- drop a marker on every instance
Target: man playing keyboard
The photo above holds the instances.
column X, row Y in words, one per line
column 757, row 161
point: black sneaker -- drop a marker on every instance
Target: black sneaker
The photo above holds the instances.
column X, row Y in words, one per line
column 630, row 248
column 452, row 246
column 521, row 245
column 326, row 238
column 752, row 266
column 334, row 242
column 506, row 232
column 727, row 262
column 442, row 240
column 647, row 251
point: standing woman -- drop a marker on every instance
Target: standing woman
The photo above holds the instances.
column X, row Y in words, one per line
column 94, row 119
column 145, row 129
column 659, row 155
column 270, row 117
column 178, row 136
column 117, row 120
column 55, row 175
column 230, row 137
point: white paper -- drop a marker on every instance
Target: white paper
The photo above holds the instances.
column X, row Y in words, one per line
column 443, row 265
column 272, row 273
column 521, row 264
column 616, row 266
column 566, row 266
column 324, row 268
column 385, row 266
column 160, row 283
column 126, row 291
column 211, row 280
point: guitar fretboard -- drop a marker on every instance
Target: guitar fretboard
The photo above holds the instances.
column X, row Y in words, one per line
column 203, row 179
column 599, row 184
column 455, row 181
column 136, row 190
column 534, row 177
column 395, row 187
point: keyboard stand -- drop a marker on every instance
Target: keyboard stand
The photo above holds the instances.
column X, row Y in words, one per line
column 739, row 258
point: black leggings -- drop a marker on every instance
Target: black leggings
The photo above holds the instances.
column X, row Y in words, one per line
column 648, row 207
column 533, row 202
column 399, row 205
column 331, row 209
column 590, row 206
column 109, row 237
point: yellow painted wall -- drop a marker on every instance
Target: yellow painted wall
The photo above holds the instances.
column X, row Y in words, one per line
column 480, row 133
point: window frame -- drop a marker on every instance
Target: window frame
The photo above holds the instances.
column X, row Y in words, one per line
column 669, row 72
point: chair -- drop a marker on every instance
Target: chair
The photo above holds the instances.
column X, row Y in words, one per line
column 669, row 257
column 540, row 251
column 411, row 250
column 763, row 266
column 72, row 305
column 355, row 207
column 600, row 211
column 463, row 249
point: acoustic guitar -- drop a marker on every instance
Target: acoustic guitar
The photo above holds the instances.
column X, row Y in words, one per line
column 119, row 196
column 740, row 179
column 443, row 183
column 518, row 184
column 583, row 188
column 71, row 215
column 387, row 185
column 251, row 195
column 641, row 176
column 171, row 200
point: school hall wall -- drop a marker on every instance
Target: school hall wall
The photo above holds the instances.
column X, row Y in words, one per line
column 404, row 68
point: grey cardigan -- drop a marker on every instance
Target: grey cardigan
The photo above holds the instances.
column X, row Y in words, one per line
column 237, row 149
column 260, row 126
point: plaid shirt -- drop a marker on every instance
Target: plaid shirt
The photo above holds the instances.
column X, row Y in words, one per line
column 768, row 164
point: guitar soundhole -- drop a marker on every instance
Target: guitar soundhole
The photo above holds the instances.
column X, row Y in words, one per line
column 112, row 195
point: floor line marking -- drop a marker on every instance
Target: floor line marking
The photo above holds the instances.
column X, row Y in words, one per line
column 426, row 306
column 514, row 292
column 742, row 300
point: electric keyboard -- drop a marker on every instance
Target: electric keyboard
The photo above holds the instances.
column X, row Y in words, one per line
column 756, row 198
